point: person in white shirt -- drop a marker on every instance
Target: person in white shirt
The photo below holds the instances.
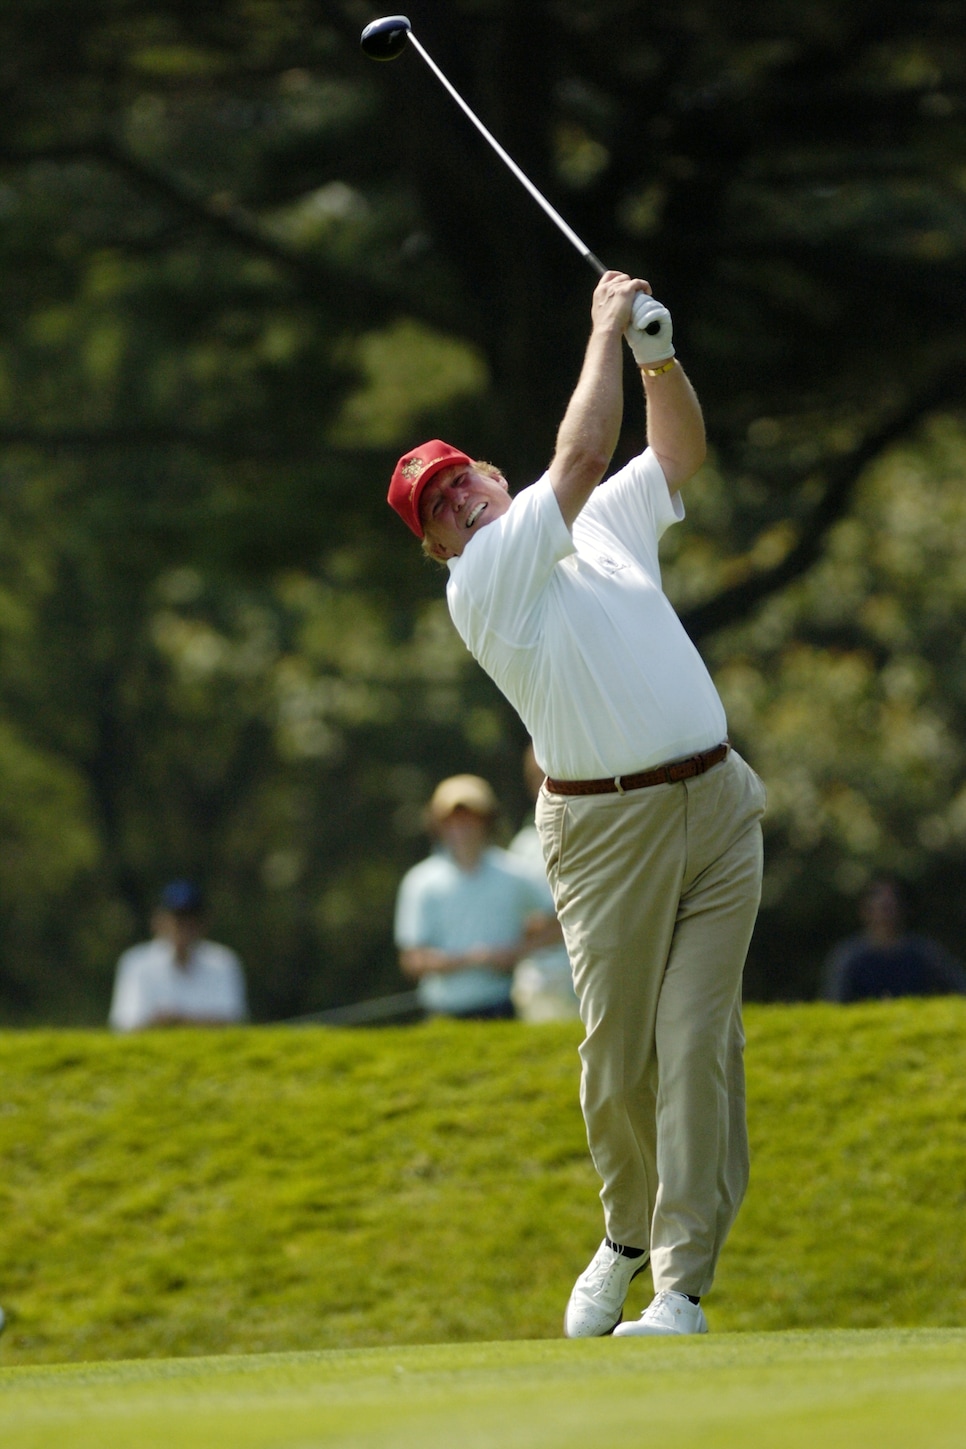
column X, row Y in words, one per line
column 543, row 983
column 650, row 823
column 178, row 978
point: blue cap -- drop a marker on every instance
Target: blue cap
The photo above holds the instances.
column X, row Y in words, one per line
column 182, row 896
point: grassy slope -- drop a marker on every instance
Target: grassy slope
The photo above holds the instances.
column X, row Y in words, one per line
column 271, row 1189
column 894, row 1390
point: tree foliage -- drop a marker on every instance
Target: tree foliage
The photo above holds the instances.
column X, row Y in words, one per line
column 243, row 268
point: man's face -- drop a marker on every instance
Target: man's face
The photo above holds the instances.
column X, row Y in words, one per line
column 178, row 928
column 465, row 834
column 456, row 503
column 882, row 909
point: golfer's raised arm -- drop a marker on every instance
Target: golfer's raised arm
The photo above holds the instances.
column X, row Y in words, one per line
column 588, row 434
column 675, row 426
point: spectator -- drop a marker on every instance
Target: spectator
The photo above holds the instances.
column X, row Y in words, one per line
column 543, row 982
column 177, row 978
column 884, row 959
column 468, row 913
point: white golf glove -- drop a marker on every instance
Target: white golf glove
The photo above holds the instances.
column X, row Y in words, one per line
column 649, row 333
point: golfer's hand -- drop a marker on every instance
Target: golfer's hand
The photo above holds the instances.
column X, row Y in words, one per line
column 613, row 301
column 649, row 333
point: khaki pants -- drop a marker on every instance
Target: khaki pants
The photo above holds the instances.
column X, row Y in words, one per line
column 657, row 891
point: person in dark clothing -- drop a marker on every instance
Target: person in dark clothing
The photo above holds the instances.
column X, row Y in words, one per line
column 885, row 959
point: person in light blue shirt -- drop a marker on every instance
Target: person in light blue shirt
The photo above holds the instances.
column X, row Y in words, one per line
column 468, row 913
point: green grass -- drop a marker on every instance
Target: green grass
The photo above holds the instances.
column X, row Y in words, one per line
column 890, row 1390
column 268, row 1190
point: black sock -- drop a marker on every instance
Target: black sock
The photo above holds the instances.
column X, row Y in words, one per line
column 625, row 1252
column 691, row 1299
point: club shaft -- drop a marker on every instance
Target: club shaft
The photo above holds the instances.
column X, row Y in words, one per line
column 554, row 215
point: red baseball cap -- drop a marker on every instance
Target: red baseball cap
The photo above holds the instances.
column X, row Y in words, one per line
column 413, row 472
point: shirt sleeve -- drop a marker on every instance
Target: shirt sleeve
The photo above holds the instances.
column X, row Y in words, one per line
column 636, row 503
column 129, row 1010
column 497, row 583
column 541, row 897
column 237, row 990
column 412, row 925
column 833, row 973
column 944, row 971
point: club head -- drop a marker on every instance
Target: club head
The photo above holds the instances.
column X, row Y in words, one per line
column 385, row 39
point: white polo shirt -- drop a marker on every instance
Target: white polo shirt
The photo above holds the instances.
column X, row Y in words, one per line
column 578, row 633
column 150, row 983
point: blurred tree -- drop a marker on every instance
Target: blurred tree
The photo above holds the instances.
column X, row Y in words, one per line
column 242, row 268
column 848, row 690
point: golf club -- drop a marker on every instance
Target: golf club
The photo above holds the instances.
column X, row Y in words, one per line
column 386, row 39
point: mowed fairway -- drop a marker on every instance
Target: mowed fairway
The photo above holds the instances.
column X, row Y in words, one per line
column 902, row 1389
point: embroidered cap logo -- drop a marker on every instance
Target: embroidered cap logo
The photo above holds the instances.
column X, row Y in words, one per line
column 411, row 471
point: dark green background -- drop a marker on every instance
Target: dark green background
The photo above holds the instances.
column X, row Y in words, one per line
column 241, row 268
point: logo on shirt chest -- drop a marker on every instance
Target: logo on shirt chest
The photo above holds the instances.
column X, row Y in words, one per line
column 610, row 565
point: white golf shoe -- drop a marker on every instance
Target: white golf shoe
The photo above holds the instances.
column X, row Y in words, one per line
column 597, row 1301
column 669, row 1313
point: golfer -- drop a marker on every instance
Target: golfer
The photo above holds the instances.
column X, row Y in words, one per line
column 649, row 822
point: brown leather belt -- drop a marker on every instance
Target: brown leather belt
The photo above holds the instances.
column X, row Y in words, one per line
column 660, row 775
